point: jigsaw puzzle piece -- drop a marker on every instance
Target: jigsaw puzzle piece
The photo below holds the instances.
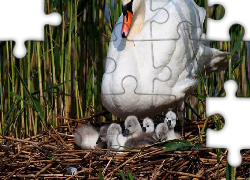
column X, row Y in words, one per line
column 236, row 113
column 162, row 21
column 130, row 102
column 28, row 24
column 235, row 13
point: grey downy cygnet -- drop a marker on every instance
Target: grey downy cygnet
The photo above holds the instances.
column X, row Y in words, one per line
column 170, row 120
column 144, row 139
column 161, row 131
column 138, row 138
column 115, row 139
column 86, row 137
column 132, row 127
column 149, row 127
column 101, row 143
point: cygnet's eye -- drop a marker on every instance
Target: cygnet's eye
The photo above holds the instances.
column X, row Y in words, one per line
column 101, row 136
column 129, row 126
column 147, row 125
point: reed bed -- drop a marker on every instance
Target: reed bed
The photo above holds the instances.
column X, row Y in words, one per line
column 59, row 81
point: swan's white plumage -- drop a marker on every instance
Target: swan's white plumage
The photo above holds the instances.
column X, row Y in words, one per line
column 131, row 81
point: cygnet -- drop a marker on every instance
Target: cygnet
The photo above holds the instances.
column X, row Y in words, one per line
column 149, row 127
column 144, row 139
column 170, row 120
column 86, row 137
column 101, row 143
column 132, row 127
column 161, row 131
column 114, row 136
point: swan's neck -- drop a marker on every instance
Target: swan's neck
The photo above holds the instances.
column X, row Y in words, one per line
column 138, row 20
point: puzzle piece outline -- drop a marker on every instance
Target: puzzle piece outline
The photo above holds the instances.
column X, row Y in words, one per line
column 219, row 29
column 229, row 107
column 152, row 53
column 31, row 29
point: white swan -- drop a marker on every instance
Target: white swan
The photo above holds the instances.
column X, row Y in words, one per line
column 156, row 66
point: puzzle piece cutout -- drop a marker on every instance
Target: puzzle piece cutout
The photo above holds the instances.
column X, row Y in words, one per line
column 29, row 21
column 161, row 16
column 156, row 67
column 139, row 73
column 235, row 13
column 233, row 135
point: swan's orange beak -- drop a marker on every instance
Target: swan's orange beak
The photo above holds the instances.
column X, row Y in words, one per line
column 126, row 24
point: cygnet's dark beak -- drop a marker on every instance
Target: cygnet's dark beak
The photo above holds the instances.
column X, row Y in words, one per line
column 144, row 129
column 125, row 132
column 169, row 122
column 159, row 140
column 98, row 140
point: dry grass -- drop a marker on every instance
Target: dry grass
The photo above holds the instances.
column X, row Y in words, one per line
column 49, row 154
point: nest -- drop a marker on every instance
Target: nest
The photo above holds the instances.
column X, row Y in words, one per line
column 50, row 154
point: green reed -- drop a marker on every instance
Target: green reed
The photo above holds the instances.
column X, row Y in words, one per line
column 62, row 75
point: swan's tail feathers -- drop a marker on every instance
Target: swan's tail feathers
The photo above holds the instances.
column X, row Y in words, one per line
column 213, row 60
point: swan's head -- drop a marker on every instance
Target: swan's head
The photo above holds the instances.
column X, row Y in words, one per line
column 148, row 125
column 103, row 134
column 170, row 119
column 128, row 9
column 161, row 131
column 132, row 126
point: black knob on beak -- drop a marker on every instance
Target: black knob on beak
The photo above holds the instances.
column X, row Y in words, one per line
column 98, row 140
column 125, row 132
column 144, row 129
column 123, row 35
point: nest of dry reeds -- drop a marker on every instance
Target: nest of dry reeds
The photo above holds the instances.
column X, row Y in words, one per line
column 48, row 156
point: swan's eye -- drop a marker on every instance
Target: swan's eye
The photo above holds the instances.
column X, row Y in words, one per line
column 129, row 126
column 148, row 126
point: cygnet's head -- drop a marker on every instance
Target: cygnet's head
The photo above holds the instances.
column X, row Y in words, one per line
column 132, row 126
column 148, row 125
column 113, row 130
column 170, row 119
column 103, row 134
column 161, row 131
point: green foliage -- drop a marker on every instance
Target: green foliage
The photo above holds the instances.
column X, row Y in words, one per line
column 122, row 174
column 62, row 76
column 176, row 144
column 100, row 175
